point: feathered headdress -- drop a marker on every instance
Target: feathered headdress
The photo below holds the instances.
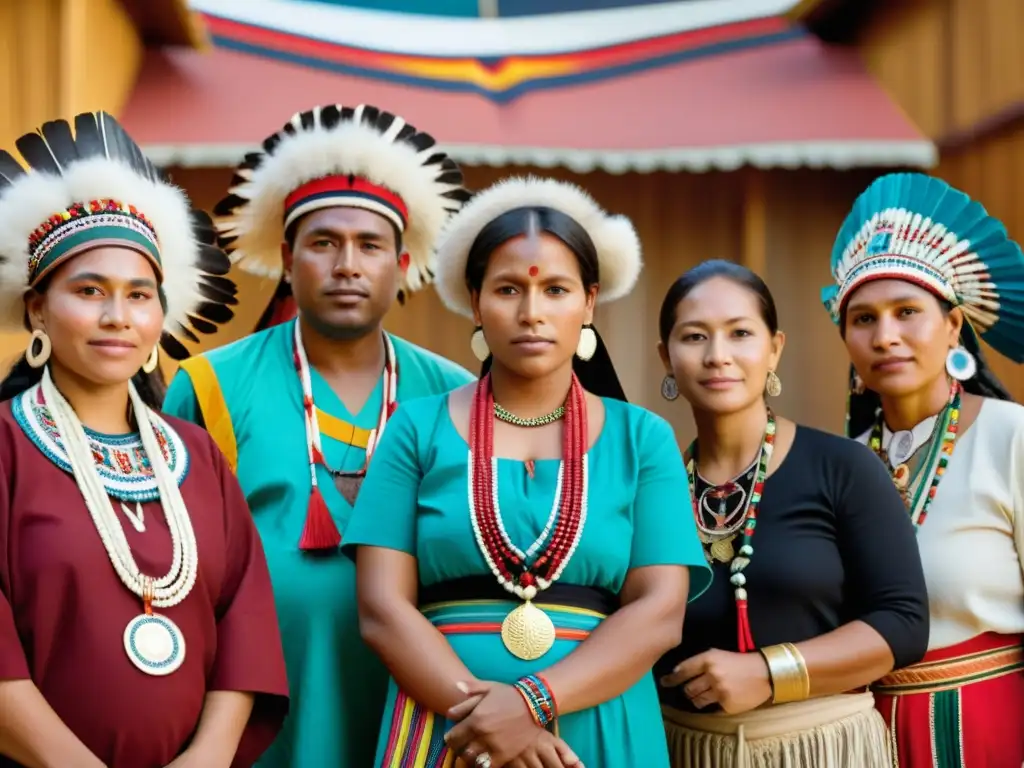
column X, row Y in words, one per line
column 617, row 244
column 332, row 156
column 93, row 186
column 913, row 227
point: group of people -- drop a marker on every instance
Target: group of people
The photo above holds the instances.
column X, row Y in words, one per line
column 298, row 554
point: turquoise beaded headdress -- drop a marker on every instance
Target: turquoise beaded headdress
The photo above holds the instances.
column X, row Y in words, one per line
column 88, row 185
column 913, row 227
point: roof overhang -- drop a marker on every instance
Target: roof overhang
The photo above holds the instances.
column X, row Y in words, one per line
column 647, row 93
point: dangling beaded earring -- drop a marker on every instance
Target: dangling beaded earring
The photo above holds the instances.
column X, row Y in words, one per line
column 960, row 364
column 669, row 387
column 478, row 344
column 773, row 386
column 38, row 359
column 152, row 361
column 587, row 345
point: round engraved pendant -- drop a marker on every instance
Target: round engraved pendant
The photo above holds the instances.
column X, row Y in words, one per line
column 722, row 550
column 901, row 447
column 528, row 632
column 154, row 644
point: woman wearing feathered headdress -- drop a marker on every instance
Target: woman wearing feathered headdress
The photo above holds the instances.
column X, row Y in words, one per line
column 524, row 531
column 921, row 271
column 134, row 632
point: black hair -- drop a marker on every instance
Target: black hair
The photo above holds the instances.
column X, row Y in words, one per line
column 150, row 386
column 706, row 270
column 597, row 375
column 863, row 406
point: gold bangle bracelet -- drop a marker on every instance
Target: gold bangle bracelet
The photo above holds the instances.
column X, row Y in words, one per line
column 790, row 679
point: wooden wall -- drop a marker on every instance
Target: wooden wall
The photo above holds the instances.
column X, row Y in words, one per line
column 682, row 219
column 957, row 68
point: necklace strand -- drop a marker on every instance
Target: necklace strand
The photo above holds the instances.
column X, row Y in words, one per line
column 934, row 468
column 745, row 637
column 537, row 421
column 174, row 586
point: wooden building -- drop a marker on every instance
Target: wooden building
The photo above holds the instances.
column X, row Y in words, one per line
column 744, row 138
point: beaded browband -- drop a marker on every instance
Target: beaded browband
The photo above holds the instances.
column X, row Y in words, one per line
column 81, row 225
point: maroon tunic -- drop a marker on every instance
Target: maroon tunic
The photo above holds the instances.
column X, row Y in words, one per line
column 63, row 609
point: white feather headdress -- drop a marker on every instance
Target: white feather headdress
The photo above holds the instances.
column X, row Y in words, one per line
column 94, row 186
column 618, row 248
column 340, row 156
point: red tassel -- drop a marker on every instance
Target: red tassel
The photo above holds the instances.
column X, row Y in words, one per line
column 320, row 531
column 745, row 639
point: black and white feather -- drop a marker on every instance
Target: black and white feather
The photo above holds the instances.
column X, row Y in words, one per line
column 98, row 159
column 361, row 141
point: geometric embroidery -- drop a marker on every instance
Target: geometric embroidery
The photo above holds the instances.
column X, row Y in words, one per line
column 121, row 460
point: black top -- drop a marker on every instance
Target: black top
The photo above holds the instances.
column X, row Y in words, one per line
column 833, row 543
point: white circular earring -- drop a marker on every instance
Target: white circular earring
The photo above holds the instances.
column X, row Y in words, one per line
column 960, row 364
column 669, row 387
column 152, row 361
column 38, row 359
column 478, row 344
column 587, row 345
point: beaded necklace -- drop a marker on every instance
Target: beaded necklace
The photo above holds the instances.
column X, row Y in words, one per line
column 745, row 638
column 508, row 417
column 153, row 642
column 320, row 532
column 527, row 631
column 934, row 466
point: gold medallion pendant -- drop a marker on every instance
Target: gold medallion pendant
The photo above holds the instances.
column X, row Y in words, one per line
column 722, row 550
column 528, row 632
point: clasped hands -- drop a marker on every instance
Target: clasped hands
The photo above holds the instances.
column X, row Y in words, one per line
column 494, row 720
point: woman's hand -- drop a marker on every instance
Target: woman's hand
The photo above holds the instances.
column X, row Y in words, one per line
column 737, row 682
column 494, row 720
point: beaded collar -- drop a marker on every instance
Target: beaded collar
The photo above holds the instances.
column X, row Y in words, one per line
column 121, row 460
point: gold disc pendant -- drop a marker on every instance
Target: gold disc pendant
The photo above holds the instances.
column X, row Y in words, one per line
column 528, row 632
column 722, row 550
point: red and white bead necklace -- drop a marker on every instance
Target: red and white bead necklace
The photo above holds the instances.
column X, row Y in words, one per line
column 320, row 532
column 527, row 631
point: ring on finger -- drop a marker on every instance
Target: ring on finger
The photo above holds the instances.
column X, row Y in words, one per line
column 483, row 760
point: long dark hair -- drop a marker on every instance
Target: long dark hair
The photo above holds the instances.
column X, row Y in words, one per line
column 597, row 375
column 863, row 407
column 150, row 386
column 706, row 270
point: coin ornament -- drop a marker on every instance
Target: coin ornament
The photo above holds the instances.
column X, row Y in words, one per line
column 528, row 632
column 154, row 644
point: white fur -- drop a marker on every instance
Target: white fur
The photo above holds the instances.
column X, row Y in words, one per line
column 349, row 148
column 619, row 253
column 36, row 196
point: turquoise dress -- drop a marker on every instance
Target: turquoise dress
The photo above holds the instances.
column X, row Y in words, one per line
column 415, row 500
column 248, row 396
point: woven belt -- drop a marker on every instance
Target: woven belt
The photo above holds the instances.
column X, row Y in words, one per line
column 944, row 675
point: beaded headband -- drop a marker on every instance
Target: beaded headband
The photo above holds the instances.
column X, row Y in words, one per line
column 88, row 186
column 335, row 156
column 916, row 228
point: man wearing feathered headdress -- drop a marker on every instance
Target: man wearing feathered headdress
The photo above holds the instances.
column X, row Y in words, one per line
column 345, row 204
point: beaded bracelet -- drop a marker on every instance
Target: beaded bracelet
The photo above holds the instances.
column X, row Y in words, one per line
column 538, row 697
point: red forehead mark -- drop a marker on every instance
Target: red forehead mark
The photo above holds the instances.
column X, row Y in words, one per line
column 534, row 271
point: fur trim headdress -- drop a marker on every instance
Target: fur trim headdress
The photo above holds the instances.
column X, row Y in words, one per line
column 618, row 246
column 94, row 187
column 332, row 156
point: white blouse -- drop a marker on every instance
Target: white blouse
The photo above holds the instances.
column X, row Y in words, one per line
column 973, row 536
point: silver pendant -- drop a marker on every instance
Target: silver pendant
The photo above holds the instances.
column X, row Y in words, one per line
column 137, row 519
column 154, row 644
column 901, row 446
